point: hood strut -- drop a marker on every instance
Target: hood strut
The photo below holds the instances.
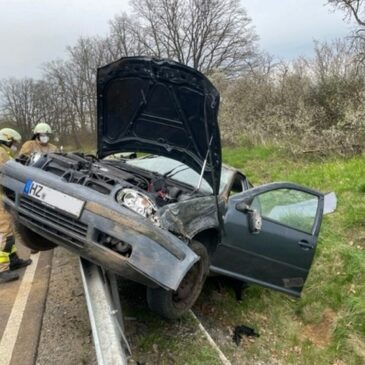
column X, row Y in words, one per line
column 204, row 165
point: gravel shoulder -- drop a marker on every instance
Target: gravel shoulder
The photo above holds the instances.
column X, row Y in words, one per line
column 66, row 334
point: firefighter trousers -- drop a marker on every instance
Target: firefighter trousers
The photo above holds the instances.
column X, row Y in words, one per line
column 7, row 238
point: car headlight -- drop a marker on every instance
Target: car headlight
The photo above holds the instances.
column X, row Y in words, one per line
column 138, row 202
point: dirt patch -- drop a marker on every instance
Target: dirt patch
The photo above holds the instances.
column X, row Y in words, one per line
column 357, row 240
column 358, row 345
column 360, row 241
column 320, row 334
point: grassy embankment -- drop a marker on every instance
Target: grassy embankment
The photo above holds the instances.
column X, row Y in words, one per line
column 326, row 326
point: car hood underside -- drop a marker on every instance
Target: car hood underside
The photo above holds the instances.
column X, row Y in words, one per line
column 159, row 107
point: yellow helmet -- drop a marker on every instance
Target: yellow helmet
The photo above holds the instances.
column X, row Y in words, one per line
column 10, row 135
column 42, row 128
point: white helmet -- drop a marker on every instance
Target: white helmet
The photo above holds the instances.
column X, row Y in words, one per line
column 10, row 135
column 42, row 128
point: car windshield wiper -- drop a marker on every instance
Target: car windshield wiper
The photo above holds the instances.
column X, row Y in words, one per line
column 167, row 174
column 176, row 172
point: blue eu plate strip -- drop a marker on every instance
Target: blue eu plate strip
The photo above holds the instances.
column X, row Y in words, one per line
column 28, row 184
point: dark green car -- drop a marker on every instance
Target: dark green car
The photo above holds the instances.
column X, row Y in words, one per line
column 164, row 220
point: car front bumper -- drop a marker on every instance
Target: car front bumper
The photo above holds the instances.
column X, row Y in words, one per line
column 158, row 258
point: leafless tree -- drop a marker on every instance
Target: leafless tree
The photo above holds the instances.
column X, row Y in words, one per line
column 27, row 102
column 207, row 35
column 124, row 38
column 354, row 10
column 75, row 80
column 19, row 103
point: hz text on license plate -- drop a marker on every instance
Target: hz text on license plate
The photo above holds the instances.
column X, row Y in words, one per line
column 54, row 198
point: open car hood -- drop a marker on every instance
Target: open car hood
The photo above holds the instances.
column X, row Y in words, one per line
column 159, row 107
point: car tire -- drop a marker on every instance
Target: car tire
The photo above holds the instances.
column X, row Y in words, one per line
column 173, row 304
column 33, row 240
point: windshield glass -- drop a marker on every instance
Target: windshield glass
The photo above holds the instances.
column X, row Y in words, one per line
column 178, row 171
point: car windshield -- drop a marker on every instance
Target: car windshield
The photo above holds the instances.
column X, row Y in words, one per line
column 178, row 171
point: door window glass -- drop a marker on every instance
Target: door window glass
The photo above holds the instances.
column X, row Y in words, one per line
column 293, row 208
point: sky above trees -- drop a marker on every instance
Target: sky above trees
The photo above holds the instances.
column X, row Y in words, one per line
column 287, row 28
column 33, row 32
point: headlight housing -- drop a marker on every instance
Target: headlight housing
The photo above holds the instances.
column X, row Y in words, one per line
column 138, row 202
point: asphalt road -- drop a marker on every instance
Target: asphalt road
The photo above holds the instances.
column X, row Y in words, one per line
column 43, row 316
column 22, row 305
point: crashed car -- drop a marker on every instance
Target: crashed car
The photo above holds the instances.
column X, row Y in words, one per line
column 170, row 217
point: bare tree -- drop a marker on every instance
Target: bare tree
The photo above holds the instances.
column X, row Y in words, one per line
column 19, row 103
column 27, row 102
column 124, row 38
column 354, row 9
column 207, row 35
column 73, row 83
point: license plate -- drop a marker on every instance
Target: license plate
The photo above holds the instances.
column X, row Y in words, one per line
column 54, row 198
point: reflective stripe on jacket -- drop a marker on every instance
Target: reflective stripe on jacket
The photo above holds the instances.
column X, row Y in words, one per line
column 4, row 256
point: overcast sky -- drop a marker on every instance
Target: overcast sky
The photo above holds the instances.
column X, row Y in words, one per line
column 36, row 31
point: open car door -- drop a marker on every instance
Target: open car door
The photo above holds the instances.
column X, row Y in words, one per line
column 270, row 236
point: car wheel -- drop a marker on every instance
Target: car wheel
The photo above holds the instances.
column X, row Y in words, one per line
column 33, row 240
column 173, row 304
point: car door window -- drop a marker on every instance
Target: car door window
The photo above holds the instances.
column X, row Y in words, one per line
column 294, row 208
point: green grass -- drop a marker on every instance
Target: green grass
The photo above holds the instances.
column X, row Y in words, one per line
column 326, row 326
column 157, row 341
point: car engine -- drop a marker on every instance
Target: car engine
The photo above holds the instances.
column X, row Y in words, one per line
column 139, row 190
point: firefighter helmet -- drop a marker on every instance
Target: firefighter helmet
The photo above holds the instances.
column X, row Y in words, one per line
column 41, row 128
column 10, row 135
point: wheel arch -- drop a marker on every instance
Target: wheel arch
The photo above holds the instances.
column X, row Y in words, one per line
column 209, row 238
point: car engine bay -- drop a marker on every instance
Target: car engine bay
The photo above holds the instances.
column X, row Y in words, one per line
column 142, row 191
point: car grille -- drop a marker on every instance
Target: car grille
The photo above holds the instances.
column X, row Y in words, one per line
column 47, row 214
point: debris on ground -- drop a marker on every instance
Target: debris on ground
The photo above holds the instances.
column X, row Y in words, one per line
column 239, row 331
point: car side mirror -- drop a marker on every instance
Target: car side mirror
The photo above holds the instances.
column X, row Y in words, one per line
column 253, row 217
column 243, row 207
column 254, row 221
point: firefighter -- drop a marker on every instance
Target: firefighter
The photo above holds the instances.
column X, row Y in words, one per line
column 39, row 142
column 9, row 260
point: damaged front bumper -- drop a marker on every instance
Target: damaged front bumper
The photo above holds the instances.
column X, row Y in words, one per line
column 157, row 258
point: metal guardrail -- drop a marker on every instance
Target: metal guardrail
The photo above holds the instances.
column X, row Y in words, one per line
column 106, row 318
column 105, row 314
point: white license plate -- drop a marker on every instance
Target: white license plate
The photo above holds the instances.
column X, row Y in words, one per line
column 54, row 198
